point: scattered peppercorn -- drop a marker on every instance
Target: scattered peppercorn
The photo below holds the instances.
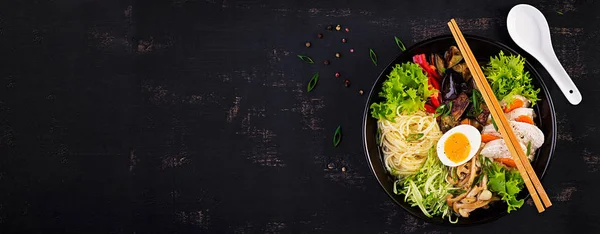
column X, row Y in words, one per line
column 320, row 35
column 337, row 54
column 330, row 165
column 326, row 62
column 344, row 40
column 347, row 30
column 347, row 83
column 337, row 74
column 307, row 44
column 351, row 50
column 361, row 92
column 338, row 27
column 343, row 169
column 330, row 27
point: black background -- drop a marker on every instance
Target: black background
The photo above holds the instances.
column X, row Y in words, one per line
column 179, row 116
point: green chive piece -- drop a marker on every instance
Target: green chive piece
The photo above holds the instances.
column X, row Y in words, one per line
column 448, row 110
column 414, row 137
column 440, row 110
column 475, row 98
column 373, row 56
column 494, row 123
column 306, row 59
column 400, row 44
column 313, row 82
column 559, row 12
column 337, row 136
column 528, row 148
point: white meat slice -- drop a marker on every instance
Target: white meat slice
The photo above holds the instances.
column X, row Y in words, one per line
column 526, row 101
column 514, row 114
column 525, row 133
column 489, row 129
column 497, row 149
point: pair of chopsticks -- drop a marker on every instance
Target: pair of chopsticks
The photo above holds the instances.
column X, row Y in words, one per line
column 532, row 182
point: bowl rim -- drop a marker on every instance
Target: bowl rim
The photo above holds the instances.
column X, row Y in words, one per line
column 382, row 75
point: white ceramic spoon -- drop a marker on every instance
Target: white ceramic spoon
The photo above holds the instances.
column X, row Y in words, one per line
column 528, row 27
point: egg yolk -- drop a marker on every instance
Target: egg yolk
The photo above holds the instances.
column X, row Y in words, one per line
column 457, row 147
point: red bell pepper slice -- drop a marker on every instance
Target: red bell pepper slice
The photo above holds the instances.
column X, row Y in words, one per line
column 433, row 82
column 429, row 108
column 435, row 73
column 435, row 98
column 429, row 69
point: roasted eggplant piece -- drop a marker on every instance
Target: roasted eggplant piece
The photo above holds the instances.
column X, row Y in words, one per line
column 439, row 64
column 447, row 122
column 451, row 85
column 453, row 57
column 472, row 122
column 459, row 105
column 463, row 70
column 483, row 116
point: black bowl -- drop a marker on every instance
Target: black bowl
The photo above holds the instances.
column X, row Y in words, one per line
column 482, row 48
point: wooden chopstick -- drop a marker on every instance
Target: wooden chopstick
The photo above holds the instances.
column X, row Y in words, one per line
column 531, row 180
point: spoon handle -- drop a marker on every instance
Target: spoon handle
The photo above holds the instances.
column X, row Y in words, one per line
column 560, row 76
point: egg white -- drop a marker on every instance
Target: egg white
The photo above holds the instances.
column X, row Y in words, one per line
column 473, row 136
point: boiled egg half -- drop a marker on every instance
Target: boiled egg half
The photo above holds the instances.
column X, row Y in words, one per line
column 458, row 145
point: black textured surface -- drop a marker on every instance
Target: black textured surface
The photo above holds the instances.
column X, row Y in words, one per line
column 180, row 116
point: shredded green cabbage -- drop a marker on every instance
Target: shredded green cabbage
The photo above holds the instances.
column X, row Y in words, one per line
column 507, row 77
column 428, row 188
column 406, row 88
column 504, row 182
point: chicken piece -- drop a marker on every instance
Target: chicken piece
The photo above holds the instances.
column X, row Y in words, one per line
column 514, row 114
column 525, row 133
column 489, row 129
column 498, row 149
column 522, row 102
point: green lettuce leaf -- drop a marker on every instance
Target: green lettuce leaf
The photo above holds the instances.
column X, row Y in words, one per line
column 405, row 89
column 505, row 183
column 507, row 77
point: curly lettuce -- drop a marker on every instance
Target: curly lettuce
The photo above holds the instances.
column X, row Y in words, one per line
column 507, row 77
column 506, row 183
column 405, row 89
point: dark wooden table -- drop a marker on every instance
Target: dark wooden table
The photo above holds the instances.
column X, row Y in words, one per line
column 179, row 116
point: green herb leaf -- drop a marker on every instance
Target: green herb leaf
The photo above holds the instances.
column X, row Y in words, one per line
column 414, row 137
column 440, row 110
column 478, row 179
column 476, row 99
column 313, row 82
column 448, row 110
column 337, row 136
column 400, row 44
column 528, row 148
column 373, row 56
column 306, row 59
column 559, row 12
column 494, row 123
column 458, row 192
column 454, row 174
